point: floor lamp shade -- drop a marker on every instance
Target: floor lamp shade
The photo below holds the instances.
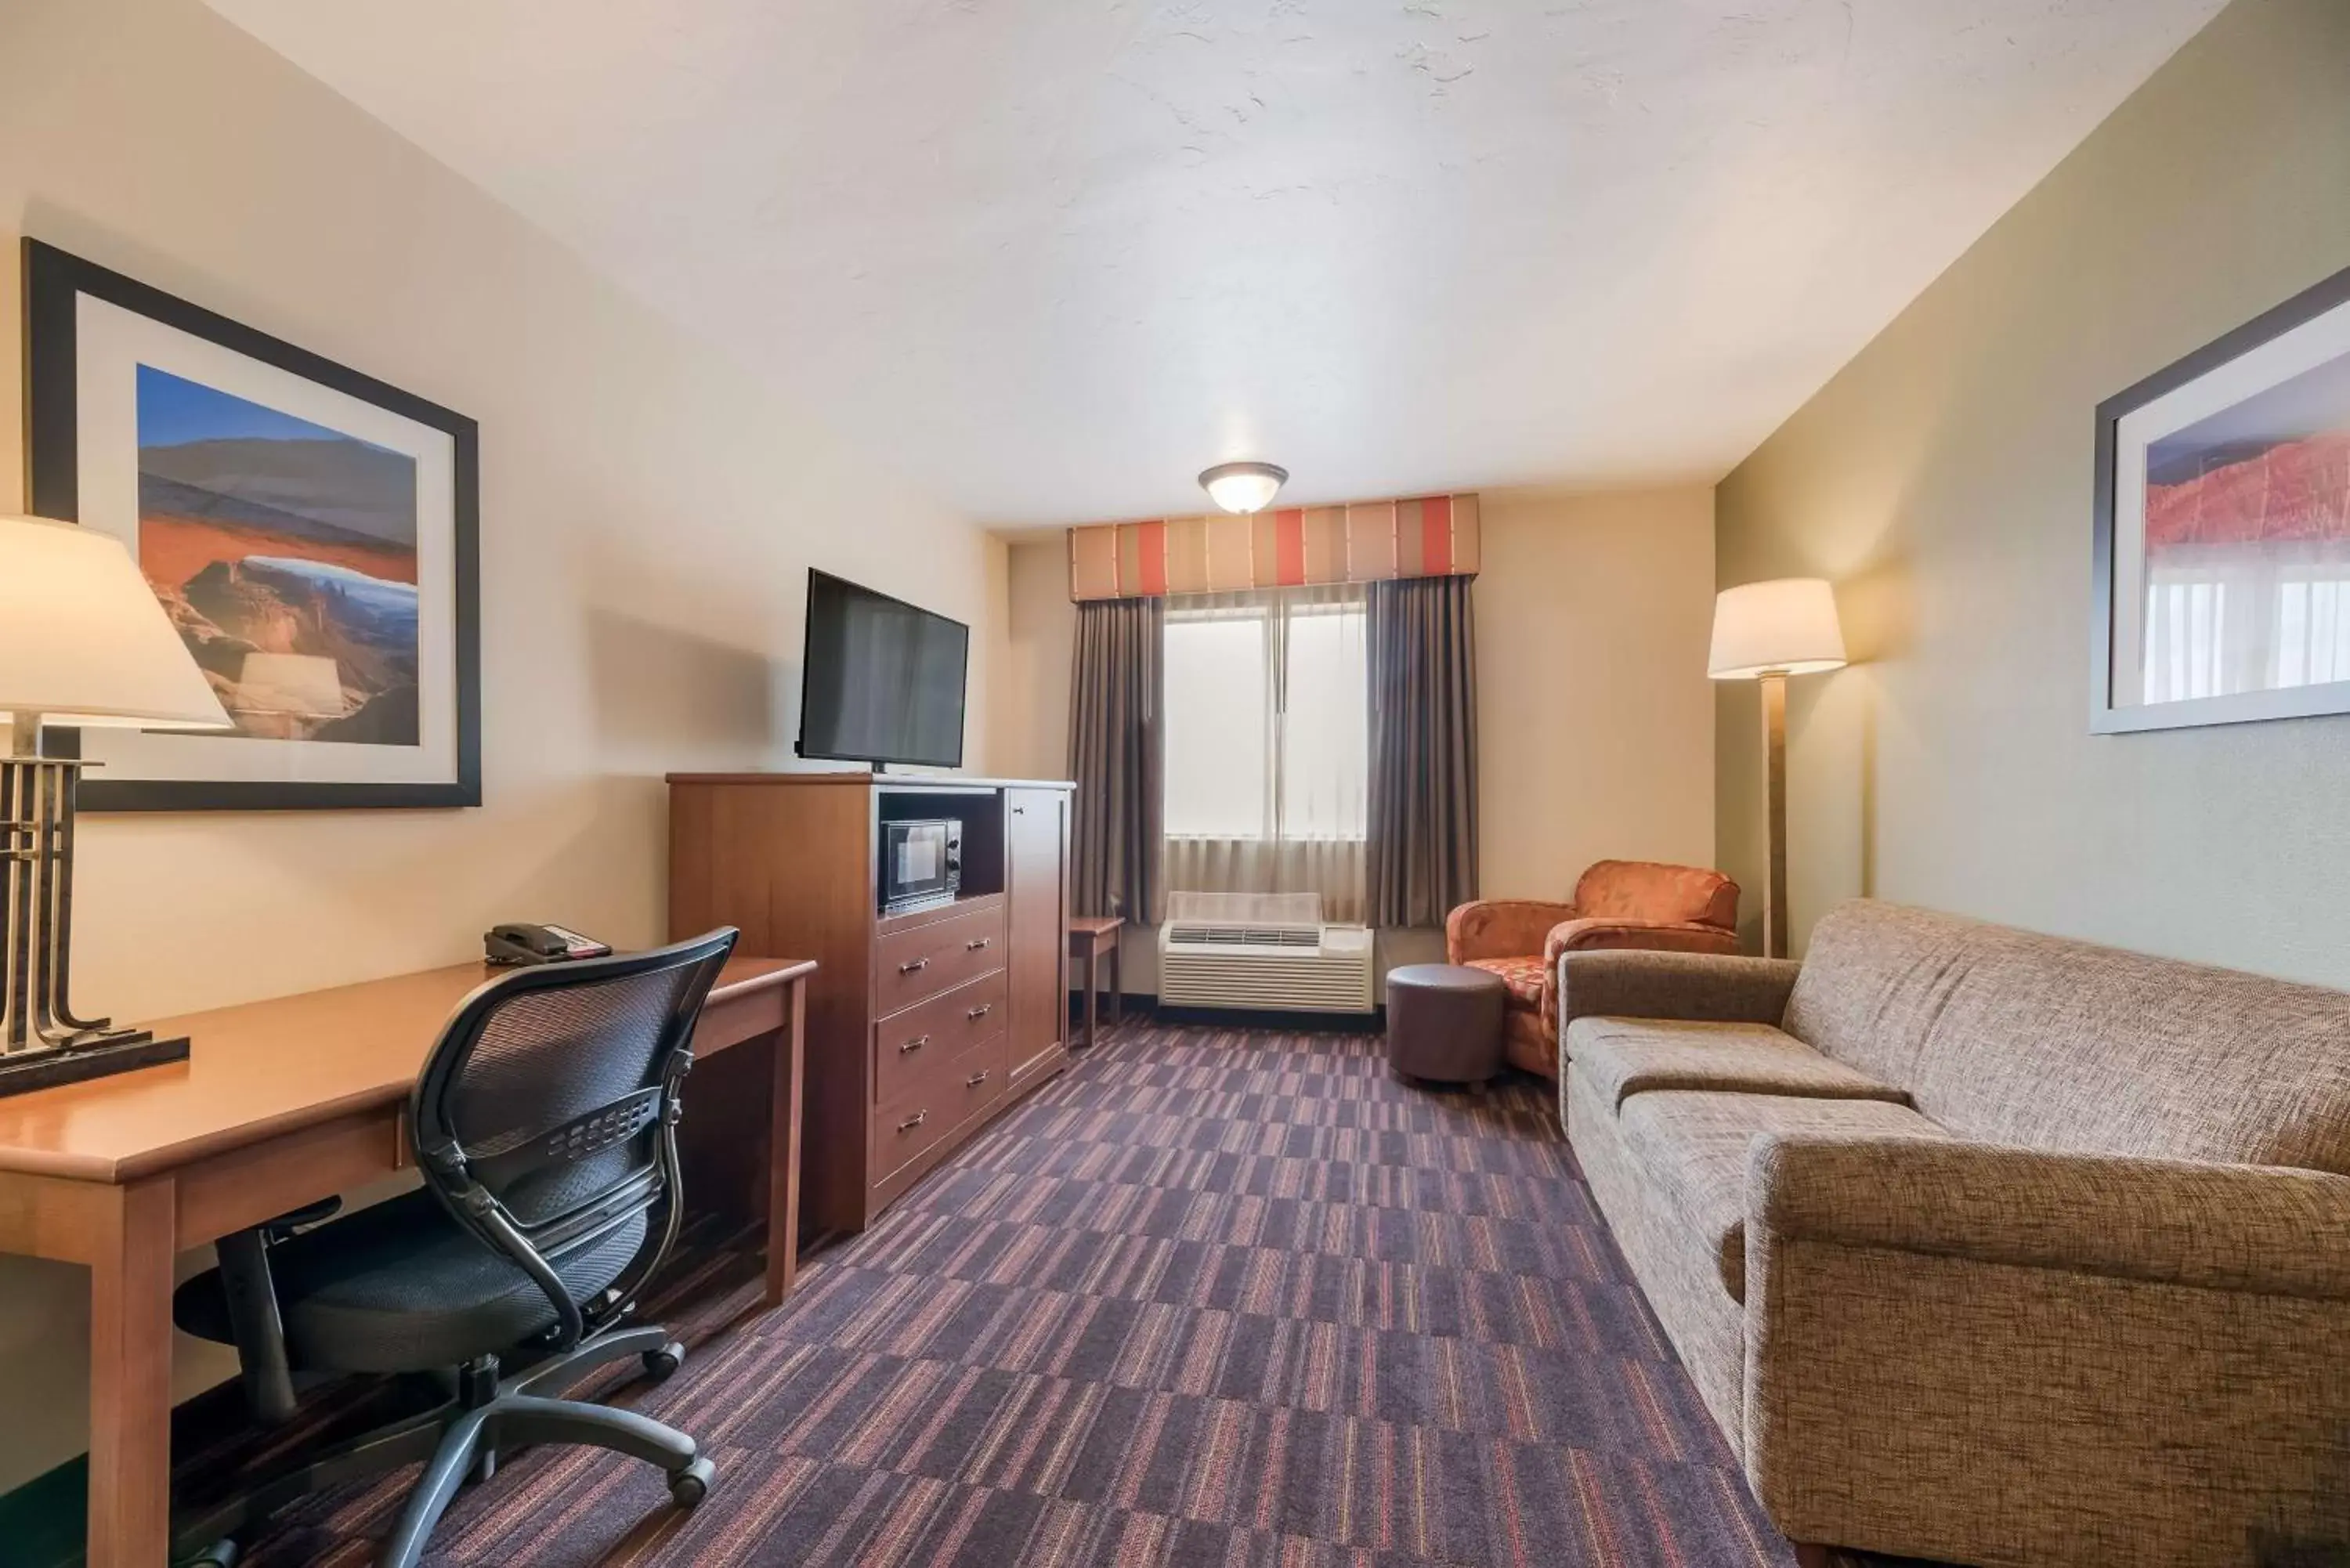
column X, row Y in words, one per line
column 83, row 641
column 1786, row 627
column 1766, row 633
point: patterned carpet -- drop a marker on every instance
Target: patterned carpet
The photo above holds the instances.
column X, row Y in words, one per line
column 1215, row 1297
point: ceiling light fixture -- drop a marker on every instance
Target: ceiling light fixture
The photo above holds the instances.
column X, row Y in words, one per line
column 1243, row 486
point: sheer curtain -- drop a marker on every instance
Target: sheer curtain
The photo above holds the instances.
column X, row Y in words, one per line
column 1267, row 719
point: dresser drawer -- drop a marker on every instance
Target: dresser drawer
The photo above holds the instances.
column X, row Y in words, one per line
column 945, row 1095
column 911, row 966
column 908, row 1043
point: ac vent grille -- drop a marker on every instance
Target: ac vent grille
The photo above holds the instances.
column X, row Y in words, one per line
column 1265, row 966
column 1247, row 935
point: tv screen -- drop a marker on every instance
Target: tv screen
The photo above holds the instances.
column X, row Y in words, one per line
column 881, row 680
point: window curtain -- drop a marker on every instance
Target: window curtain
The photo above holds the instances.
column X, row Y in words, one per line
column 1116, row 754
column 1267, row 774
column 1422, row 831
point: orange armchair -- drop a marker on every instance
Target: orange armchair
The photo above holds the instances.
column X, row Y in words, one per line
column 1617, row 903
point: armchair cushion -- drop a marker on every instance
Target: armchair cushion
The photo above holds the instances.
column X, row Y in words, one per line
column 1523, row 977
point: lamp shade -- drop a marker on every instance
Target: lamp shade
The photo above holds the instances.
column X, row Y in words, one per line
column 83, row 640
column 1786, row 627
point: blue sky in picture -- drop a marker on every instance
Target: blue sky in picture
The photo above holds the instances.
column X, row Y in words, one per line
column 173, row 412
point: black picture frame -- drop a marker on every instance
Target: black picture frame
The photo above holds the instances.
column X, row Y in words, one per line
column 54, row 279
column 2106, row 717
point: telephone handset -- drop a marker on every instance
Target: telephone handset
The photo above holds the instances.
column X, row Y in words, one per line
column 514, row 943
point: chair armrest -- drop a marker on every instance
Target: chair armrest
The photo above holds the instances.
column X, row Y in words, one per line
column 1719, row 987
column 2261, row 1228
column 1501, row 928
column 1616, row 932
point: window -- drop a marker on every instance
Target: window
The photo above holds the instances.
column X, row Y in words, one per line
column 1267, row 717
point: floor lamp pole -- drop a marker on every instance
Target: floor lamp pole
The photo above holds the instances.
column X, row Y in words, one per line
column 1775, row 809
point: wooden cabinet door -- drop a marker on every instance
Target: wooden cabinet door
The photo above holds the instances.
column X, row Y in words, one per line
column 1035, row 851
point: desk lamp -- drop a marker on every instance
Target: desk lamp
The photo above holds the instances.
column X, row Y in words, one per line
column 85, row 643
column 1768, row 631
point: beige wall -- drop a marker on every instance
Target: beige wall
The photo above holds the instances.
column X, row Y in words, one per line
column 648, row 510
column 1595, row 722
column 1943, row 480
column 1032, row 715
column 1594, row 719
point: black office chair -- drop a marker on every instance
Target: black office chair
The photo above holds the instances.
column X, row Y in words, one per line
column 544, row 1125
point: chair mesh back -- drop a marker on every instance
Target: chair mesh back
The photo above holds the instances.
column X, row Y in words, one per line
column 545, row 1059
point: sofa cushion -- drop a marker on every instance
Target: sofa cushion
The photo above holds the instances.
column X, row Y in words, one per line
column 1522, row 976
column 2006, row 1036
column 1692, row 1146
column 1626, row 1057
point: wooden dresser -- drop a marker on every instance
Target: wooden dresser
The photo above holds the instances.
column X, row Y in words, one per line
column 921, row 1026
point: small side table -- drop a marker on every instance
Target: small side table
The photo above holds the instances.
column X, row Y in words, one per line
column 1444, row 1023
column 1090, row 936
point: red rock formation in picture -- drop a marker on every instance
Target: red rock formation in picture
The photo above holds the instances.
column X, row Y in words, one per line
column 2293, row 491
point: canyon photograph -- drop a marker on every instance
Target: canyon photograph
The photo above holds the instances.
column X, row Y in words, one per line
column 285, row 553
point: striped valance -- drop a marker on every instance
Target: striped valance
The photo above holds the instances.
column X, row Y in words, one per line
column 1363, row 541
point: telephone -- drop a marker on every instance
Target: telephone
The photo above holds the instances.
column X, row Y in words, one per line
column 514, row 943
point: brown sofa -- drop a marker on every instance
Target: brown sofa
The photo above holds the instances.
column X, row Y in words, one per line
column 1617, row 903
column 1987, row 1247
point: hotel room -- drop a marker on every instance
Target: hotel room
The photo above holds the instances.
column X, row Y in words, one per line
column 1230, row 781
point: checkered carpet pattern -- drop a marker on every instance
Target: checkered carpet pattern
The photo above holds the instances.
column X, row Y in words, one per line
column 1228, row 1297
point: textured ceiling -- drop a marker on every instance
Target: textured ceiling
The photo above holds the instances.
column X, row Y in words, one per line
column 1051, row 257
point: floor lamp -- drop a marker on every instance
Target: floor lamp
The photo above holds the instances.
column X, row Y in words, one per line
column 1766, row 633
column 83, row 642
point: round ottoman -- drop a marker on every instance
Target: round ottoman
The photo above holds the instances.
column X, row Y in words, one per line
column 1444, row 1023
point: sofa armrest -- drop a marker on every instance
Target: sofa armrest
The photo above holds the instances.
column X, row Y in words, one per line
column 2261, row 1228
column 2087, row 1357
column 1501, row 928
column 1626, row 983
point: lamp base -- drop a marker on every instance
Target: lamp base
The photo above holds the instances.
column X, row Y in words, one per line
column 115, row 1051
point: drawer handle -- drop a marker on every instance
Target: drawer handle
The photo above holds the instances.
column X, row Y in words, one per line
column 976, row 1079
column 910, row 965
column 915, row 1043
column 982, row 1011
column 976, row 943
column 916, row 1120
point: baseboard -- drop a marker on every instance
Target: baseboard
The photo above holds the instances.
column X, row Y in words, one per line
column 45, row 1522
column 1147, row 1008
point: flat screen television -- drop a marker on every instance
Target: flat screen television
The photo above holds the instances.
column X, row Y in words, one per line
column 881, row 680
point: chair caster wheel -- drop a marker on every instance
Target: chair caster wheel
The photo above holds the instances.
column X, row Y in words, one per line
column 661, row 1363
column 221, row 1553
column 692, row 1484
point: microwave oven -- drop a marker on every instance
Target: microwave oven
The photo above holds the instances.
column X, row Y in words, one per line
column 922, row 863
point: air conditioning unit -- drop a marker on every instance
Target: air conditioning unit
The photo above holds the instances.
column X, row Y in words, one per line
column 1268, row 951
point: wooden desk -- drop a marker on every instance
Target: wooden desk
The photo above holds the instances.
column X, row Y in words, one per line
column 280, row 1104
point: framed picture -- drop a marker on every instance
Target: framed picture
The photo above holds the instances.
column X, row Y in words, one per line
column 311, row 531
column 2222, row 567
